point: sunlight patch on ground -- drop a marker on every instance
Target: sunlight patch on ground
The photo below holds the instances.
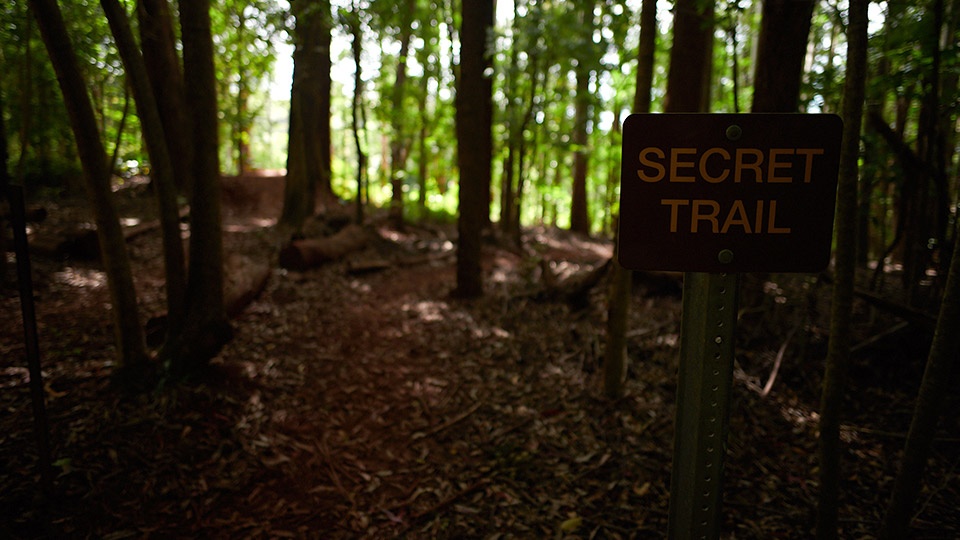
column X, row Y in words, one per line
column 249, row 225
column 499, row 275
column 430, row 389
column 360, row 286
column 437, row 311
column 130, row 221
column 799, row 417
column 428, row 311
column 600, row 250
column 668, row 340
column 14, row 376
column 81, row 277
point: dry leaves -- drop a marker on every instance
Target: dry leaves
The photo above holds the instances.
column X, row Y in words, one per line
column 372, row 405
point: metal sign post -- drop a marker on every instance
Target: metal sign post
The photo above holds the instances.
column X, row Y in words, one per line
column 703, row 403
column 712, row 195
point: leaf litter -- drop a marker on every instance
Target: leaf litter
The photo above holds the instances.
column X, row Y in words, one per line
column 374, row 405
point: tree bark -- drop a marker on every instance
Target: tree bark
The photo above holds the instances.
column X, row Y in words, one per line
column 158, row 43
column 205, row 328
column 838, row 353
column 474, row 119
column 399, row 145
column 4, row 190
column 621, row 281
column 579, row 214
column 784, row 30
column 693, row 23
column 308, row 152
column 162, row 172
column 356, row 109
column 937, row 377
column 128, row 332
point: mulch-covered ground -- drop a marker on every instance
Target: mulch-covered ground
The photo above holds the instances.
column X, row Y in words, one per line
column 374, row 405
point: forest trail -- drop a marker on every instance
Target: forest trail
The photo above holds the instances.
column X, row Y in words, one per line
column 372, row 405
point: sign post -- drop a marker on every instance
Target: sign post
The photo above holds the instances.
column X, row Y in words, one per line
column 703, row 402
column 713, row 195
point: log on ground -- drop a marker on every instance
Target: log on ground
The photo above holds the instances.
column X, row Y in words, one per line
column 244, row 280
column 312, row 252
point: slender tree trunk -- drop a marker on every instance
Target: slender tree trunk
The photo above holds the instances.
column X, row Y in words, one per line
column 118, row 139
column 940, row 371
column 206, row 328
column 4, row 190
column 621, row 283
column 113, row 253
column 158, row 43
column 474, row 119
column 579, row 214
column 357, row 109
column 162, row 167
column 510, row 126
column 399, row 145
column 838, row 353
column 425, row 154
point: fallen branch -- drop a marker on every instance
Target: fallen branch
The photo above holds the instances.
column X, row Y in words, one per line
column 905, row 312
column 443, row 505
column 872, row 340
column 245, row 280
column 777, row 362
column 449, row 423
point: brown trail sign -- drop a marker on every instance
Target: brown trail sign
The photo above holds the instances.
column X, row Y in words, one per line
column 712, row 195
column 757, row 188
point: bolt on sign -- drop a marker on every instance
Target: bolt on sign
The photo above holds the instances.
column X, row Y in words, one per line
column 728, row 192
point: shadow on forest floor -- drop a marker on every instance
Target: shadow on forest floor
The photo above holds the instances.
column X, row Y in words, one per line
column 372, row 405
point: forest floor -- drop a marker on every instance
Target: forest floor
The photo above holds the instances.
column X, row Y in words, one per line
column 374, row 405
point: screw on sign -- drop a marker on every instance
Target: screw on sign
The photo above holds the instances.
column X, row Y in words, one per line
column 712, row 195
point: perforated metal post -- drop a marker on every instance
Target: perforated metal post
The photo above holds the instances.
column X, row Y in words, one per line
column 703, row 398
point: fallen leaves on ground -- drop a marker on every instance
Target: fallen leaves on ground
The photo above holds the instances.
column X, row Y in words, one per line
column 372, row 405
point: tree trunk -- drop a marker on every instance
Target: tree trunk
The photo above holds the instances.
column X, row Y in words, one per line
column 4, row 190
column 621, row 288
column 937, row 377
column 158, row 43
column 579, row 212
column 781, row 49
column 125, row 313
column 356, row 108
column 399, row 145
column 645, row 56
column 205, row 328
column 308, row 152
column 474, row 120
column 784, row 30
column 579, row 215
column 162, row 168
column 831, row 399
column 693, row 25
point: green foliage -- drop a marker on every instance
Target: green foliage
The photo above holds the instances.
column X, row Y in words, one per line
column 245, row 34
column 537, row 50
